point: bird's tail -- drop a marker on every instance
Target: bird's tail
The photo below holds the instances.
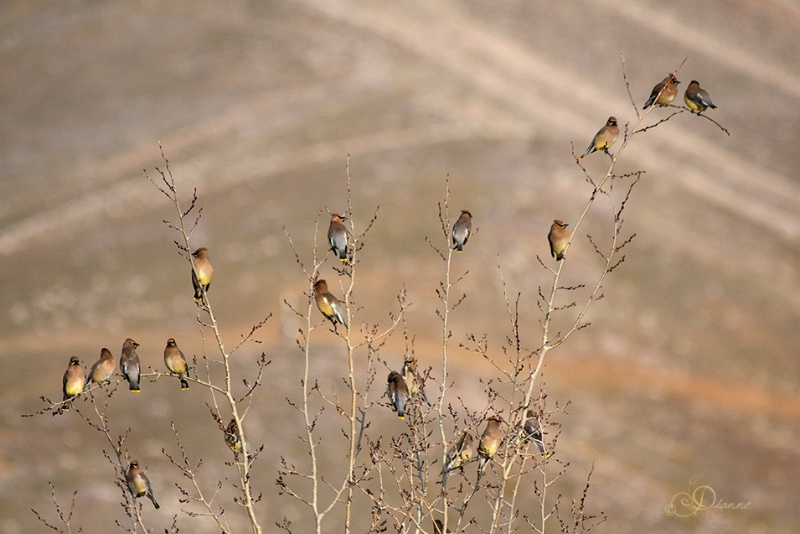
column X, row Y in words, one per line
column 482, row 461
column 133, row 385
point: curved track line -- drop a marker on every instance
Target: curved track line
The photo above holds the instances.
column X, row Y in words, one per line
column 710, row 45
column 83, row 212
column 440, row 33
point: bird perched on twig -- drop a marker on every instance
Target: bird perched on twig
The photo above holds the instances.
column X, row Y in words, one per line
column 138, row 483
column 397, row 391
column 73, row 382
column 664, row 92
column 461, row 453
column 697, row 98
column 413, row 380
column 337, row 236
column 462, row 229
column 129, row 364
column 329, row 305
column 176, row 362
column 533, row 431
column 604, row 138
column 558, row 238
column 234, row 443
column 490, row 441
column 102, row 369
column 202, row 273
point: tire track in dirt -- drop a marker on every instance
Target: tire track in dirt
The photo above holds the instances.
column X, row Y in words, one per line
column 82, row 212
column 502, row 69
column 725, row 53
column 593, row 373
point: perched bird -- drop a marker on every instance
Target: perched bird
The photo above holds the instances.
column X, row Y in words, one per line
column 696, row 98
column 176, row 362
column 533, row 431
column 233, row 442
column 202, row 273
column 74, row 380
column 129, row 364
column 664, row 92
column 462, row 230
column 490, row 441
column 329, row 305
column 604, row 138
column 102, row 369
column 138, row 483
column 337, row 236
column 558, row 238
column 413, row 380
column 461, row 453
column 397, row 391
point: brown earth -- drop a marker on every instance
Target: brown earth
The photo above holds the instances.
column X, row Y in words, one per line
column 689, row 373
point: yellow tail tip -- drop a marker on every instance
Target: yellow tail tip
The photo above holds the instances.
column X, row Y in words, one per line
column 184, row 388
column 136, row 391
column 401, row 417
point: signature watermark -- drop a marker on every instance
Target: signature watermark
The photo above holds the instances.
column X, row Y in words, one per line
column 702, row 498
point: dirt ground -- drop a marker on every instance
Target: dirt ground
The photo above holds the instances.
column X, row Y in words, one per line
column 688, row 375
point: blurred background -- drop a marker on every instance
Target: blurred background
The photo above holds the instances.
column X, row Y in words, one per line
column 689, row 373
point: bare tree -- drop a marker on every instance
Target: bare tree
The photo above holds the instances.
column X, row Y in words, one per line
column 449, row 454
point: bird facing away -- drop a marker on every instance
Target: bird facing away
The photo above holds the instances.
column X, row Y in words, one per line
column 461, row 453
column 138, row 483
column 462, row 230
column 337, row 236
column 102, row 369
column 74, row 380
column 329, row 305
column 490, row 441
column 664, row 92
column 129, row 364
column 397, row 391
column 202, row 273
column 696, row 98
column 604, row 138
column 176, row 362
column 233, row 442
column 413, row 380
column 558, row 238
column 533, row 431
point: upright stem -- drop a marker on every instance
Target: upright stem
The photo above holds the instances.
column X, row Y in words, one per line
column 443, row 387
column 353, row 390
column 244, row 467
column 353, row 405
column 312, row 446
